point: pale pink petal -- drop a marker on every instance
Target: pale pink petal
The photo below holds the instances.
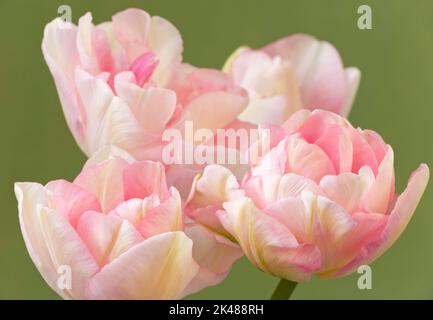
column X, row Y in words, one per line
column 319, row 70
column 214, row 186
column 271, row 86
column 213, row 267
column 379, row 147
column 107, row 236
column 213, row 110
column 353, row 76
column 292, row 213
column 60, row 53
column 369, row 227
column 108, row 153
column 131, row 27
column 66, row 249
column 93, row 47
column 382, row 190
column 152, row 107
column 272, row 111
column 31, row 197
column 307, row 160
column 268, row 244
column 143, row 178
column 335, row 141
column 105, row 181
column 292, row 185
column 362, row 152
column 329, row 226
column 70, row 200
column 263, row 188
column 401, row 213
column 166, row 42
column 161, row 267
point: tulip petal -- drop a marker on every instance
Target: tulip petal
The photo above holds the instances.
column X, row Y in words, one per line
column 166, row 42
column 268, row 244
column 382, row 190
column 60, row 53
column 167, row 217
column 319, row 70
column 66, row 249
column 161, row 267
column 308, row 160
column 348, row 189
column 93, row 47
column 71, row 200
column 141, row 179
column 107, row 236
column 104, row 180
column 353, row 77
column 152, row 107
column 401, row 213
column 213, row 267
column 131, row 28
column 109, row 120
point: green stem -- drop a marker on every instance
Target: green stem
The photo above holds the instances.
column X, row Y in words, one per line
column 284, row 290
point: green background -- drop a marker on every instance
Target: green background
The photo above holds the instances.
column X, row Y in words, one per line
column 395, row 99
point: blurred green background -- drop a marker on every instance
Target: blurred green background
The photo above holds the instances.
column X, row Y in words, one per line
column 395, row 99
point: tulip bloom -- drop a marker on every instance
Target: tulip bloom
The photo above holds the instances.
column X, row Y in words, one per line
column 122, row 83
column 295, row 72
column 321, row 201
column 121, row 231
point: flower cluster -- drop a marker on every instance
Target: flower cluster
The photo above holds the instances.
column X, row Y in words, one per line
column 316, row 195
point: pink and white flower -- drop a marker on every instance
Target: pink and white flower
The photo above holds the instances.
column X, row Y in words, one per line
column 123, row 83
column 121, row 231
column 295, row 72
column 321, row 201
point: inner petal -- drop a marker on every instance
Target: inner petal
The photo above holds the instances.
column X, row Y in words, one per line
column 143, row 67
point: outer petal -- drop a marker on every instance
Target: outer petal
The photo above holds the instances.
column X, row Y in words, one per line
column 52, row 242
column 401, row 214
column 131, row 28
column 30, row 196
column 268, row 244
column 159, row 268
column 93, row 47
column 61, row 55
column 319, row 70
column 213, row 267
column 382, row 190
column 166, row 42
column 353, row 76
column 67, row 249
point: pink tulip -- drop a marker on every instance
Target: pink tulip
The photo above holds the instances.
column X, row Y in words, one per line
column 321, row 201
column 295, row 72
column 122, row 83
column 121, row 231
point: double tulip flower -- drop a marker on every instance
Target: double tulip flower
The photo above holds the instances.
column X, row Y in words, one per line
column 320, row 200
